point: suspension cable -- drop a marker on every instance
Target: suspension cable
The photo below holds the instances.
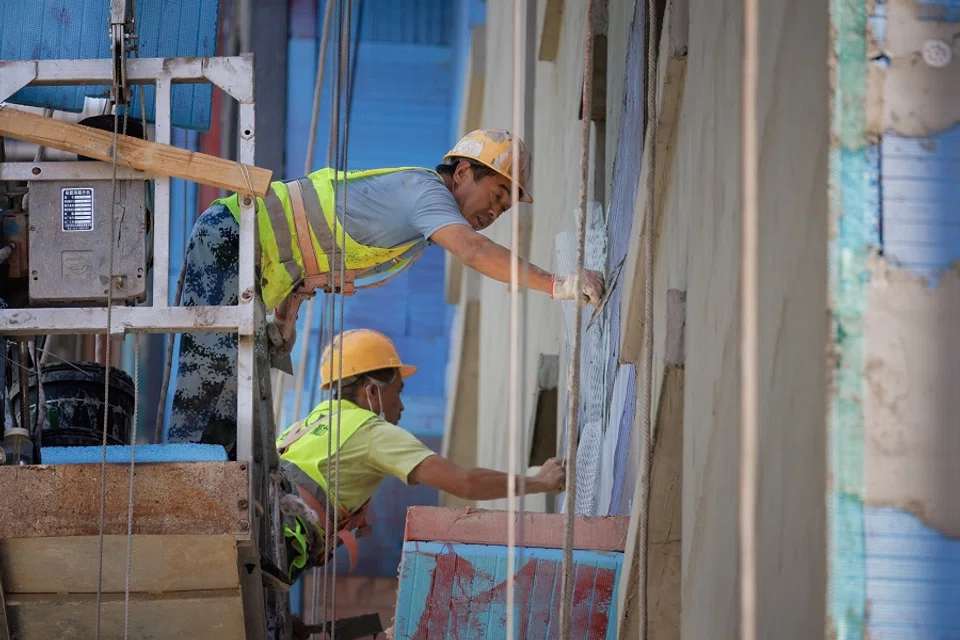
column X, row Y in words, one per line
column 344, row 85
column 749, row 355
column 336, row 346
column 133, row 463
column 513, row 391
column 108, row 356
column 307, row 168
column 573, row 381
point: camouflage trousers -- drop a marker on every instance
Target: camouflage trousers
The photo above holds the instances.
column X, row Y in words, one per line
column 205, row 400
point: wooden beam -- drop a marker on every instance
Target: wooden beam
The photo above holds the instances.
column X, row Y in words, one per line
column 671, row 74
column 543, row 530
column 133, row 152
column 158, row 564
column 550, row 33
column 663, row 594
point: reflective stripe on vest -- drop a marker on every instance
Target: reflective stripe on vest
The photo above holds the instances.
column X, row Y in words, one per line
column 281, row 261
column 304, row 443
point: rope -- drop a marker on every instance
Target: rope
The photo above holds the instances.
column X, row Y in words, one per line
column 646, row 447
column 750, row 376
column 332, row 520
column 573, row 382
column 133, row 462
column 343, row 85
column 108, row 355
column 308, row 167
column 513, row 409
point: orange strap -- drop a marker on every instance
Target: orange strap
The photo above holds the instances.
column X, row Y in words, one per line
column 346, row 522
column 313, row 279
column 310, row 265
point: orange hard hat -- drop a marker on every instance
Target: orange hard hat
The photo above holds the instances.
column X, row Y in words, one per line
column 362, row 351
column 493, row 148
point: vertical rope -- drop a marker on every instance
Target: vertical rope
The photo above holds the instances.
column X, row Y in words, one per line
column 513, row 391
column 133, row 462
column 573, row 381
column 653, row 49
column 750, row 375
column 332, row 520
column 108, row 355
column 307, row 168
column 343, row 85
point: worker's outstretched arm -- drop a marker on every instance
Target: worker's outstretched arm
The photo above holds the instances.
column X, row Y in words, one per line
column 483, row 484
column 482, row 254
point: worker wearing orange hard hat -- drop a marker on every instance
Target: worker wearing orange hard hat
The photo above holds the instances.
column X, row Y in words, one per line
column 369, row 373
column 363, row 226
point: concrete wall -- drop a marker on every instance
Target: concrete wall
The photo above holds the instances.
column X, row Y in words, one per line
column 700, row 255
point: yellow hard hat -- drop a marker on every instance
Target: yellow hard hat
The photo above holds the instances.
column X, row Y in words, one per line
column 363, row 350
column 494, row 148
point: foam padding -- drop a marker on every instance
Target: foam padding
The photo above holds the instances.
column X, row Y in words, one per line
column 146, row 454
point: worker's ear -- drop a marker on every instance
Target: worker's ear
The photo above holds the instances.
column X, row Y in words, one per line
column 462, row 172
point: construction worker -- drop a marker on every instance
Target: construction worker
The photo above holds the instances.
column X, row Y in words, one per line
column 391, row 215
column 371, row 448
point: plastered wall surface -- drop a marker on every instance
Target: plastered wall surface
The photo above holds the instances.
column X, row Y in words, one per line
column 702, row 231
column 555, row 187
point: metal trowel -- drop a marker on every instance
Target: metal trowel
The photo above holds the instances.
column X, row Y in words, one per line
column 613, row 282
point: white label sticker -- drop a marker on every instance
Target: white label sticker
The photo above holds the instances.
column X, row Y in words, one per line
column 77, row 209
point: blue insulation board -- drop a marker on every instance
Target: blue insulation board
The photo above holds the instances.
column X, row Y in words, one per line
column 78, row 29
column 912, row 584
column 459, row 591
column 146, row 453
column 921, row 202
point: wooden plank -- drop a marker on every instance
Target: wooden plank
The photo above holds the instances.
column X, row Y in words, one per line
column 133, row 152
column 544, row 530
column 158, row 564
column 671, row 75
column 550, row 33
column 663, row 592
column 203, row 498
column 189, row 615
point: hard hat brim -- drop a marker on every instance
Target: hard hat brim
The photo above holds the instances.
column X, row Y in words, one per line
column 405, row 370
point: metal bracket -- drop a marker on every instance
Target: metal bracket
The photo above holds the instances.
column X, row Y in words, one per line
column 15, row 75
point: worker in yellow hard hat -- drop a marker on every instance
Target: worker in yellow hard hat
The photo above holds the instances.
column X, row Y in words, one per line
column 370, row 447
column 379, row 223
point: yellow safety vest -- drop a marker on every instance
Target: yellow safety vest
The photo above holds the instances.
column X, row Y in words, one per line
column 304, row 443
column 281, row 262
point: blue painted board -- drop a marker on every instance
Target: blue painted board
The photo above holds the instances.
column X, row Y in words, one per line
column 913, row 578
column 921, row 202
column 78, row 29
column 459, row 591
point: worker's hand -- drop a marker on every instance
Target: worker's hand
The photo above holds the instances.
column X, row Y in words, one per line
column 553, row 475
column 278, row 348
column 591, row 287
column 275, row 334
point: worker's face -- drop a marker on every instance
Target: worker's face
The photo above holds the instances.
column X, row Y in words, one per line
column 481, row 201
column 387, row 400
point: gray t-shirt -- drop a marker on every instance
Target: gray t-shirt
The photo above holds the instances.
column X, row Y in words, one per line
column 397, row 208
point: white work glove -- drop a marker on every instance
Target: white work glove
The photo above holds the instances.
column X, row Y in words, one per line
column 591, row 287
column 278, row 348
